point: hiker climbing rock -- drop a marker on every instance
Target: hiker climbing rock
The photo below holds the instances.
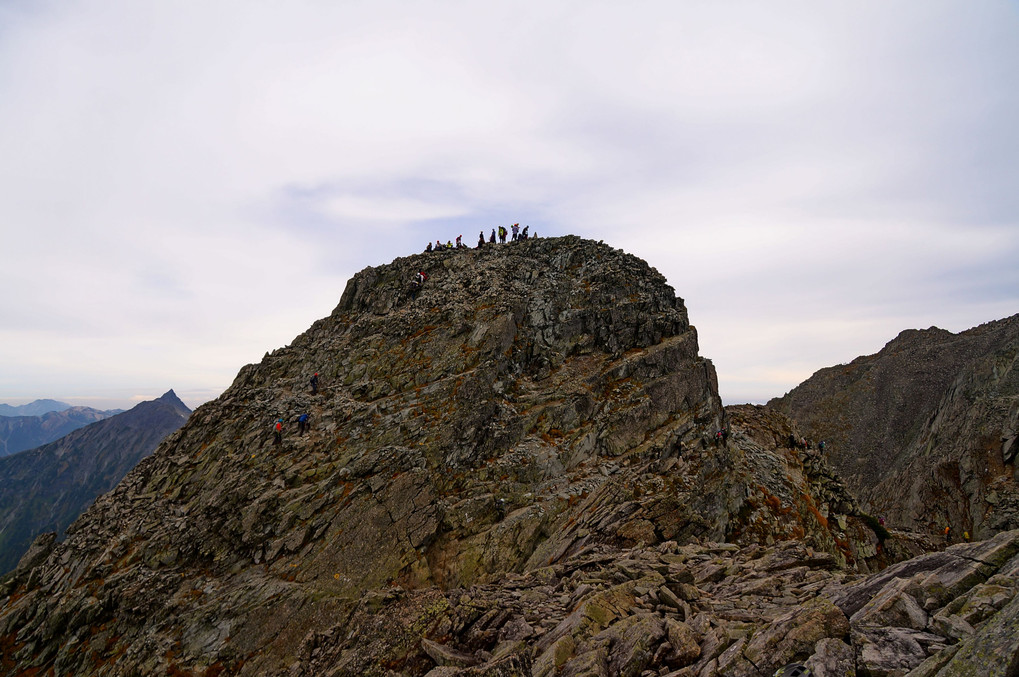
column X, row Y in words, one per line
column 277, row 432
column 417, row 283
column 314, row 384
column 302, row 424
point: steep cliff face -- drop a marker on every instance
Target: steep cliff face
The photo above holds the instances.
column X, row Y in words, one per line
column 532, row 404
column 924, row 431
column 45, row 489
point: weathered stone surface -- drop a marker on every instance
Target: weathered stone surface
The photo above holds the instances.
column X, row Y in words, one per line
column 684, row 648
column 892, row 606
column 925, row 431
column 993, row 650
column 941, row 576
column 891, row 652
column 832, row 658
column 513, row 471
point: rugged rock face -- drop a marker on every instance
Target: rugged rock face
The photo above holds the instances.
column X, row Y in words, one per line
column 924, row 432
column 18, row 433
column 534, row 405
column 696, row 610
column 46, row 489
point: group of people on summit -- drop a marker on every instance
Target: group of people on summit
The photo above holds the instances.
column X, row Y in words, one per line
column 501, row 232
column 514, row 232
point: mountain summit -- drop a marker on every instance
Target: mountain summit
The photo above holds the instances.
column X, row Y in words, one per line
column 520, row 468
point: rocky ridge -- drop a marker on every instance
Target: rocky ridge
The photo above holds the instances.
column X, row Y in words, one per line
column 513, row 470
column 933, row 412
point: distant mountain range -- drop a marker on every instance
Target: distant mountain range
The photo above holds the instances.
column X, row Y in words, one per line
column 37, row 408
column 21, row 432
column 46, row 488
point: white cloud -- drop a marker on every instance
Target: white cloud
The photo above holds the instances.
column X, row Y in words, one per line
column 188, row 185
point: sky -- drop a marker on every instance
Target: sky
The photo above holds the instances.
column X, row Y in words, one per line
column 185, row 186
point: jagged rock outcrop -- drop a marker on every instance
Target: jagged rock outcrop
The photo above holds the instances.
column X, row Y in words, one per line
column 924, row 432
column 705, row 610
column 533, row 404
column 19, row 433
column 46, row 489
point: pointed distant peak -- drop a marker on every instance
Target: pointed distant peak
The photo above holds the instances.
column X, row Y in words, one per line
column 170, row 397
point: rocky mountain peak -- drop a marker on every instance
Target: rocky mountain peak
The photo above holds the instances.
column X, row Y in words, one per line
column 533, row 411
column 924, row 431
column 170, row 397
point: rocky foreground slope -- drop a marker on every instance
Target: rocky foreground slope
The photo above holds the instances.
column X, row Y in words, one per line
column 513, row 471
column 924, row 432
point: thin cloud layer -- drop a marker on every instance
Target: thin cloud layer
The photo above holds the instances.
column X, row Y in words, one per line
column 186, row 186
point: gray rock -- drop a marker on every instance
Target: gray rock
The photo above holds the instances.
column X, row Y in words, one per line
column 832, row 658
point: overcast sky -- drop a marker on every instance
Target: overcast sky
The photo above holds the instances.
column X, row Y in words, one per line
column 187, row 185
